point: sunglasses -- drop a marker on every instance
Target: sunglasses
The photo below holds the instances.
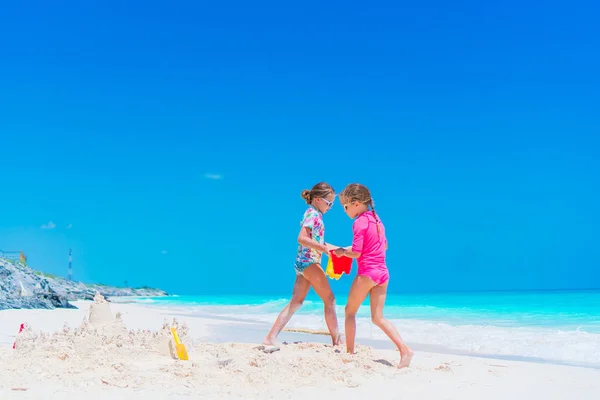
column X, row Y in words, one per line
column 329, row 203
column 348, row 205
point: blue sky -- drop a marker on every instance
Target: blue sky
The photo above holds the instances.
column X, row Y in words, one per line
column 167, row 143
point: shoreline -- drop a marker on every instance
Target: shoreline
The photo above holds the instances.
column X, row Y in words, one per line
column 310, row 367
column 225, row 329
column 382, row 344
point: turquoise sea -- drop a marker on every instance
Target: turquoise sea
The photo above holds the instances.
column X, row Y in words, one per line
column 553, row 326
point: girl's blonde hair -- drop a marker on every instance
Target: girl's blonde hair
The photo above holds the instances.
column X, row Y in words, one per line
column 360, row 193
column 319, row 191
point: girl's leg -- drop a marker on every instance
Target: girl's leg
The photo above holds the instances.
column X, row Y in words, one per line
column 358, row 293
column 301, row 287
column 317, row 278
column 378, row 295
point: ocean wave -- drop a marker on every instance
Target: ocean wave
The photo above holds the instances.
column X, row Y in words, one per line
column 554, row 345
column 459, row 332
column 454, row 316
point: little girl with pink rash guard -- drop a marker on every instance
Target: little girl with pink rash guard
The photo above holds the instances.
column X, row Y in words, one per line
column 369, row 246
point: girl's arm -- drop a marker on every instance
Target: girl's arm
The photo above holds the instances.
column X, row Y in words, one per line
column 346, row 251
column 359, row 229
column 304, row 238
column 349, row 253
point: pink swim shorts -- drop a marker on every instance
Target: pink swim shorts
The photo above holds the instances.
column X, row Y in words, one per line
column 377, row 275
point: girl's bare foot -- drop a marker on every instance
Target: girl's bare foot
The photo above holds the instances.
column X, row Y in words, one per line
column 269, row 341
column 339, row 340
column 405, row 358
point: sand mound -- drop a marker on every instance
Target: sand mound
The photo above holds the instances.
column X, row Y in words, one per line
column 100, row 311
column 295, row 365
column 107, row 354
column 100, row 334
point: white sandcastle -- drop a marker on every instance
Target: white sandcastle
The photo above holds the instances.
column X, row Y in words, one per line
column 100, row 313
column 99, row 334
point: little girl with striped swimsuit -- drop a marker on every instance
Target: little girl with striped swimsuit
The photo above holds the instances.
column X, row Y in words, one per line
column 369, row 247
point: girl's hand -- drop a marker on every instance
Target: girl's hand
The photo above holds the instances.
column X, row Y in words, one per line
column 330, row 247
column 339, row 251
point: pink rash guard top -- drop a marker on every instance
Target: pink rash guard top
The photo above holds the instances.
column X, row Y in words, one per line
column 371, row 244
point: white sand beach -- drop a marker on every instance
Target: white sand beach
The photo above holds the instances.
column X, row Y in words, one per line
column 123, row 352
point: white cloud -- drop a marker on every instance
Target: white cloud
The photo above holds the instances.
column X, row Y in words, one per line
column 163, row 252
column 69, row 226
column 49, row 225
column 213, row 176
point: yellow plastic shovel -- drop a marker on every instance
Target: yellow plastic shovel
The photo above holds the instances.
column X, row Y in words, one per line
column 179, row 347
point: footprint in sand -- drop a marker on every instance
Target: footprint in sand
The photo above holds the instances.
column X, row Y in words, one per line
column 443, row 368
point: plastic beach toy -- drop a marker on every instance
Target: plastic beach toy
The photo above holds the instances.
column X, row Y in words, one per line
column 336, row 266
column 20, row 330
column 329, row 270
column 179, row 347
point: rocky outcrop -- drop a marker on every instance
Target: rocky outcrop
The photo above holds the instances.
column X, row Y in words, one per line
column 22, row 287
